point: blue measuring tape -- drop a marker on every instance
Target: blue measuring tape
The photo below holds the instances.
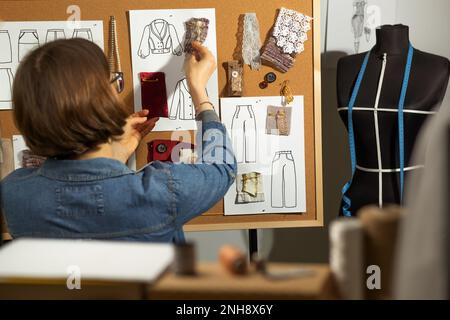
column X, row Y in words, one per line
column 347, row 203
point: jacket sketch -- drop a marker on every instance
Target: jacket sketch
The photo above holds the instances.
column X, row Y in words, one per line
column 182, row 106
column 159, row 37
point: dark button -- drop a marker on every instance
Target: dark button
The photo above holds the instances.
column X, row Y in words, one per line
column 161, row 148
column 270, row 77
column 263, row 85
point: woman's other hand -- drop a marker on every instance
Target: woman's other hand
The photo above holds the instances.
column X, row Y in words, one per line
column 198, row 68
column 136, row 128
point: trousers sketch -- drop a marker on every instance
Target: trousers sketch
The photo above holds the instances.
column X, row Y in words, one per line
column 284, row 181
column 28, row 40
column 84, row 33
column 55, row 34
column 5, row 44
column 159, row 37
column 6, row 82
column 243, row 134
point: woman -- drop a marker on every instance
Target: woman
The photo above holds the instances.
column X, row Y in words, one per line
column 68, row 111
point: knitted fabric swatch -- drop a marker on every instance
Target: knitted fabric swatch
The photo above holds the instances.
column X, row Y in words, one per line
column 196, row 30
column 273, row 55
column 251, row 41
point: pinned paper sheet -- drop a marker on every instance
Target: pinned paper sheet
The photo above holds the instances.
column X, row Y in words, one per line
column 19, row 146
column 157, row 45
column 269, row 144
column 17, row 39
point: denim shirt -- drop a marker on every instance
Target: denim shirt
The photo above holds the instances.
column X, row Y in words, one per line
column 103, row 199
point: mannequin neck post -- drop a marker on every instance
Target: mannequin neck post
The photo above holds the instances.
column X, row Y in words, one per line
column 392, row 39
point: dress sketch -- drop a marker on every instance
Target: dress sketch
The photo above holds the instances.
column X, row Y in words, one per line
column 359, row 23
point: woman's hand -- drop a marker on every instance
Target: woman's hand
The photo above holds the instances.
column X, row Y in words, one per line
column 198, row 69
column 136, row 127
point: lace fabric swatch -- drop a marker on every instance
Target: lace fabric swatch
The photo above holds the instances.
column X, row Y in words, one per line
column 290, row 30
column 251, row 41
column 196, row 30
column 287, row 39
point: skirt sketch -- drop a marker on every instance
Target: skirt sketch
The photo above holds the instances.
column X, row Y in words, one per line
column 55, row 34
column 28, row 40
column 5, row 44
column 6, row 82
column 84, row 33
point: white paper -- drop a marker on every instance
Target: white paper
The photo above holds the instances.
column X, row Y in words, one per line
column 19, row 146
column 285, row 170
column 92, row 260
column 19, row 38
column 352, row 24
column 171, row 64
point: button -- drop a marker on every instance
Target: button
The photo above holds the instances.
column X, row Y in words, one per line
column 263, row 85
column 161, row 148
column 270, row 77
column 235, row 74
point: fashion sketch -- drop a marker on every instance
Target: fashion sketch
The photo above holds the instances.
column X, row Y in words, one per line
column 182, row 107
column 84, row 33
column 55, row 34
column 284, row 181
column 359, row 23
column 159, row 37
column 243, row 134
column 6, row 48
column 28, row 40
column 6, row 82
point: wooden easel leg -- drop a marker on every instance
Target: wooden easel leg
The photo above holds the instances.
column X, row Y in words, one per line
column 252, row 242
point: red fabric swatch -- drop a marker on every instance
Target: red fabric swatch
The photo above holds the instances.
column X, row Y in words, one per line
column 154, row 94
column 161, row 150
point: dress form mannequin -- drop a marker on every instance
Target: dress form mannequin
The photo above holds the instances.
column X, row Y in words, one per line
column 426, row 90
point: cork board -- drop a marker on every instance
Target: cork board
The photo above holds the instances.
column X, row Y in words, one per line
column 304, row 79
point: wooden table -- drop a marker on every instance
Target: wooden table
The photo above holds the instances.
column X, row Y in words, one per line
column 212, row 282
column 41, row 289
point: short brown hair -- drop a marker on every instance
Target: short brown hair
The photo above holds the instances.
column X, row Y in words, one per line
column 62, row 99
